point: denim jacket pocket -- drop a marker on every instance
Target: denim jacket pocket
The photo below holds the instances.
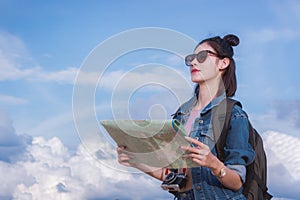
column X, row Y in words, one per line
column 207, row 135
column 203, row 133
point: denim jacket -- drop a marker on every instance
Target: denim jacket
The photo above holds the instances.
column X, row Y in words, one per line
column 238, row 152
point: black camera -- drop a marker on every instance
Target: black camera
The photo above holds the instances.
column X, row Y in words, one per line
column 174, row 182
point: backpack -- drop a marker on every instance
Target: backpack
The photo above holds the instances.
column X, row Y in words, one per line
column 255, row 186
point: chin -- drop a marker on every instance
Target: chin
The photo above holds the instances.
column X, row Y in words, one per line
column 197, row 80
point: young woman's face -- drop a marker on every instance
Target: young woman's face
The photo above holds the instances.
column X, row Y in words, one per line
column 209, row 69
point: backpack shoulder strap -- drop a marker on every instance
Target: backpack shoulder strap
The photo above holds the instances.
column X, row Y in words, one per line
column 221, row 121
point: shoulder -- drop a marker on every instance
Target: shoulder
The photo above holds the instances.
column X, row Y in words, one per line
column 183, row 110
column 238, row 112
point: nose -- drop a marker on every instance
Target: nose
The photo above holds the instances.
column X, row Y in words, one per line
column 194, row 63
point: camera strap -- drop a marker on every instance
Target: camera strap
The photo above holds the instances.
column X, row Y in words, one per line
column 184, row 171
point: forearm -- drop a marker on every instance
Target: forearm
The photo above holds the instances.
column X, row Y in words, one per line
column 231, row 179
column 202, row 156
column 157, row 173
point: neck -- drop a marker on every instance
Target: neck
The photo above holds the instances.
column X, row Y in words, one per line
column 207, row 92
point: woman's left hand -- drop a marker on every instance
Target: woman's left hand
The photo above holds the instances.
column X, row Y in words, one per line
column 200, row 153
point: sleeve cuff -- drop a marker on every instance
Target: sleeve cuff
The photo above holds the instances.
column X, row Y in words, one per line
column 240, row 170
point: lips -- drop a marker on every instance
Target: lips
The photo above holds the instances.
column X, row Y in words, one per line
column 194, row 70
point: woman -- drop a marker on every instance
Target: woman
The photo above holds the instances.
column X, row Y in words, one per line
column 212, row 68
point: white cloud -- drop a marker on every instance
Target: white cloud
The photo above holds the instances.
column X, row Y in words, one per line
column 175, row 60
column 46, row 169
column 13, row 54
column 9, row 70
column 11, row 100
column 52, row 173
column 12, row 175
column 142, row 87
column 62, row 76
column 139, row 76
column 283, row 164
column 14, row 68
column 16, row 63
column 284, row 146
column 11, row 144
column 287, row 11
column 287, row 18
column 266, row 35
column 276, row 120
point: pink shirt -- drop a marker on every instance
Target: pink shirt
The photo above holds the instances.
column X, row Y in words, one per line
column 188, row 126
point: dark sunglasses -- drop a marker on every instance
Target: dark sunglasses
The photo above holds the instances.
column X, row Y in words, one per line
column 201, row 57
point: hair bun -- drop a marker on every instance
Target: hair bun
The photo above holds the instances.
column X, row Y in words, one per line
column 232, row 40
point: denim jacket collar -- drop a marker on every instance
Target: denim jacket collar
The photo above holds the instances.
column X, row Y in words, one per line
column 213, row 103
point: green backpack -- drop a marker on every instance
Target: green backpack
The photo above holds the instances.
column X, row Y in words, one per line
column 255, row 186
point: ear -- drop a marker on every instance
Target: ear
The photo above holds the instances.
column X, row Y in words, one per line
column 224, row 63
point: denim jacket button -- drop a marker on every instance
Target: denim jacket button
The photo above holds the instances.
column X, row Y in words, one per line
column 183, row 195
column 198, row 187
column 200, row 121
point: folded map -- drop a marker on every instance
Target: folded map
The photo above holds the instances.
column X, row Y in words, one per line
column 152, row 142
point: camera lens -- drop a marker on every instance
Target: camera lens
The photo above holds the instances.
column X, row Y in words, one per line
column 170, row 177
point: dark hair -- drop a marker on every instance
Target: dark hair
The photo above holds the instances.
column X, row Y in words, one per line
column 223, row 47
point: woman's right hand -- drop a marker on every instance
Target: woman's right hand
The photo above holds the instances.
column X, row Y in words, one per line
column 124, row 157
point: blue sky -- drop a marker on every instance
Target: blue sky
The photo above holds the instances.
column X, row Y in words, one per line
column 43, row 47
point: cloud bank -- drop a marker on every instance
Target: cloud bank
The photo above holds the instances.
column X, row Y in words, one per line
column 283, row 164
column 11, row 144
column 49, row 171
column 37, row 168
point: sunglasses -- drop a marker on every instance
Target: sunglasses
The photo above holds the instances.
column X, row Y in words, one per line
column 201, row 57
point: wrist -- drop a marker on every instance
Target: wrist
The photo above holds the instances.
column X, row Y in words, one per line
column 219, row 171
column 216, row 165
